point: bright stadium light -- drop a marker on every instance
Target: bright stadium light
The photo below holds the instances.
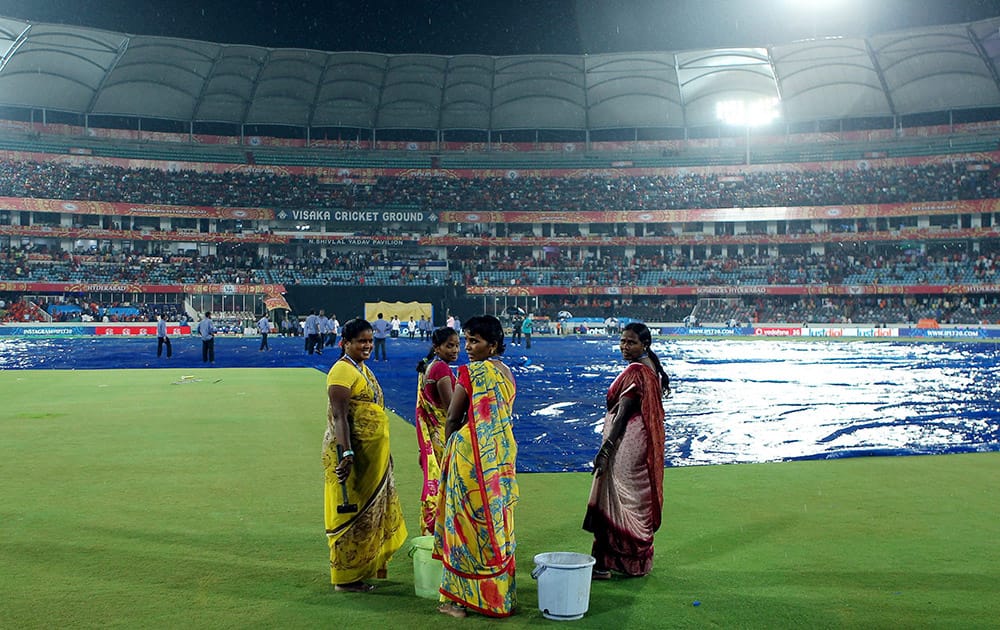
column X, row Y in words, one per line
column 748, row 114
column 756, row 113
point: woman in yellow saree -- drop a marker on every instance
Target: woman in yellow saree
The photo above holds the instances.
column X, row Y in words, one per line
column 434, row 390
column 356, row 454
column 474, row 534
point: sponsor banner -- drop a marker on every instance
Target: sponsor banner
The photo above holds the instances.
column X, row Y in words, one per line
column 834, row 331
column 234, row 289
column 977, row 206
column 949, row 333
column 118, row 330
column 704, row 239
column 777, row 331
column 141, row 235
column 701, row 291
column 130, row 209
column 124, row 287
column 46, row 331
column 716, row 331
column 706, row 331
column 358, row 216
column 137, row 330
column 363, row 241
column 523, row 241
column 728, row 290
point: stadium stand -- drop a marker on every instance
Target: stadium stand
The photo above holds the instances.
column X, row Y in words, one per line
column 869, row 222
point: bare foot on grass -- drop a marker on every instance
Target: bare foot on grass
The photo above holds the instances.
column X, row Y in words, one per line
column 452, row 610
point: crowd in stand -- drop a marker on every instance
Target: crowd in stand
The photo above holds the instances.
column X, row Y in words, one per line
column 241, row 264
column 923, row 183
column 61, row 309
column 854, row 267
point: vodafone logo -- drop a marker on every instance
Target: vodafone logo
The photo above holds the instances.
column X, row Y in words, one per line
column 645, row 216
column 834, row 212
column 71, row 207
column 472, row 217
column 240, row 213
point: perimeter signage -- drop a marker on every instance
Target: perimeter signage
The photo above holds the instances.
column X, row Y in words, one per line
column 358, row 216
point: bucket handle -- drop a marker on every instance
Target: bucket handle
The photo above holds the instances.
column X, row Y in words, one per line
column 538, row 570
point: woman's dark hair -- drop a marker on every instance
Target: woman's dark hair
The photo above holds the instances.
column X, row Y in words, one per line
column 646, row 338
column 351, row 330
column 487, row 327
column 438, row 337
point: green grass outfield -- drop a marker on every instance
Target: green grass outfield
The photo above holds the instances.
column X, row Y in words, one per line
column 138, row 499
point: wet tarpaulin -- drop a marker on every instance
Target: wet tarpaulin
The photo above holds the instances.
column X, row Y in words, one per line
column 733, row 402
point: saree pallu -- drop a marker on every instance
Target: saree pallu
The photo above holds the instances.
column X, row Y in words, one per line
column 430, row 439
column 626, row 500
column 474, row 536
column 362, row 542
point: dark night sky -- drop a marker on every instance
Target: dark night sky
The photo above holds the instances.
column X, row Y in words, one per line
column 451, row 27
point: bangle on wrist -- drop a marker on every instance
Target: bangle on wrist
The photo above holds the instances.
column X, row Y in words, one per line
column 347, row 453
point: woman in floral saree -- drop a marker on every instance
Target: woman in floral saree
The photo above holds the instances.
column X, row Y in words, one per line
column 435, row 386
column 474, row 534
column 626, row 498
column 356, row 454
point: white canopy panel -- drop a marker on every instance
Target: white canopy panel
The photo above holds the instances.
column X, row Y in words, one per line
column 93, row 72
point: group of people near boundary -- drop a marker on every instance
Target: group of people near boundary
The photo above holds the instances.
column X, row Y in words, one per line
column 319, row 331
column 467, row 452
column 206, row 331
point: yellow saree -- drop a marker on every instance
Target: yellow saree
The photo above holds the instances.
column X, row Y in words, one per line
column 361, row 543
column 474, row 534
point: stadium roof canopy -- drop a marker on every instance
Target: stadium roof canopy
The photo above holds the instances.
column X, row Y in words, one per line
column 93, row 72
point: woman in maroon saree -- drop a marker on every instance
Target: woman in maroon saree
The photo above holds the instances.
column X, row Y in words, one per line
column 626, row 498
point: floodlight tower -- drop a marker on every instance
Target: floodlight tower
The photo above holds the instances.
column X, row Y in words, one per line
column 748, row 114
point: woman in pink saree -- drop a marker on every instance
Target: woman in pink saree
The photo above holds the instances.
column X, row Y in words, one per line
column 626, row 498
column 434, row 390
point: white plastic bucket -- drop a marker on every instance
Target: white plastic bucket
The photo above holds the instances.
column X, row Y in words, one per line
column 563, row 584
column 426, row 570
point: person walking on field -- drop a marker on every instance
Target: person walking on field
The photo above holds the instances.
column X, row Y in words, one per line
column 311, row 332
column 381, row 332
column 161, row 337
column 334, row 330
column 206, row 330
column 526, row 329
column 263, row 327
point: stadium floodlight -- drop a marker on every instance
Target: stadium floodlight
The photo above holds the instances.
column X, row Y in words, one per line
column 755, row 113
